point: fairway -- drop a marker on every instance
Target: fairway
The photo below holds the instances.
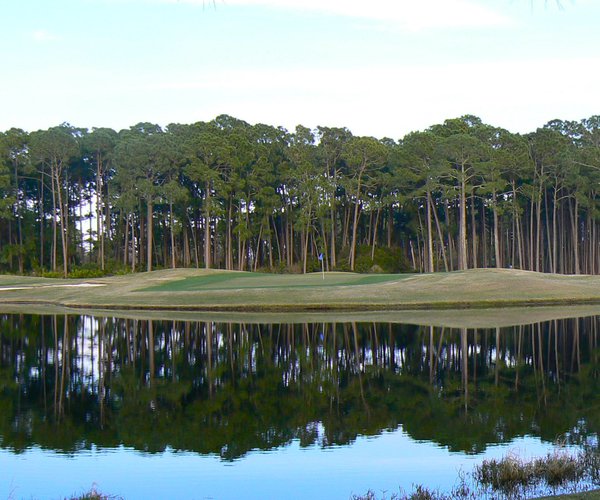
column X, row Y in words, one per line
column 243, row 292
column 236, row 281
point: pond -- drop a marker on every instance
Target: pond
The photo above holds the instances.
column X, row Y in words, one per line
column 215, row 409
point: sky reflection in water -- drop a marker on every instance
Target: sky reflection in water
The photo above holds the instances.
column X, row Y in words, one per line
column 272, row 411
column 382, row 463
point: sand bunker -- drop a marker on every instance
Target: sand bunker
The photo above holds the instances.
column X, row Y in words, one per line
column 4, row 288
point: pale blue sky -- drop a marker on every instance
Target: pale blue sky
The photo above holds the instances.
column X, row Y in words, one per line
column 379, row 67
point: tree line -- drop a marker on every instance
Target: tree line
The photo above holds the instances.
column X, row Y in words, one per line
column 227, row 194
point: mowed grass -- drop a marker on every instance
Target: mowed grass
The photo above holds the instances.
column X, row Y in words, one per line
column 229, row 281
column 214, row 290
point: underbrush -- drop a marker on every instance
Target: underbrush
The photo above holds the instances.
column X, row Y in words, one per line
column 85, row 271
column 514, row 478
column 94, row 494
column 389, row 260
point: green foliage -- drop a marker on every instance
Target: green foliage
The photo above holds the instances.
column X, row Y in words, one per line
column 50, row 274
column 9, row 252
column 87, row 271
column 386, row 260
column 242, row 196
column 313, row 265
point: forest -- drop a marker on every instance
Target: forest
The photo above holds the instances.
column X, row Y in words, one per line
column 227, row 194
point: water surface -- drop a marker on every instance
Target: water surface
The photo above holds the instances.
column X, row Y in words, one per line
column 205, row 409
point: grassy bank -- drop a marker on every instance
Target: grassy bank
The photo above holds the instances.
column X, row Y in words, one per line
column 199, row 290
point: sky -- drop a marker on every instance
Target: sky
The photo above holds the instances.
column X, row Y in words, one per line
column 381, row 68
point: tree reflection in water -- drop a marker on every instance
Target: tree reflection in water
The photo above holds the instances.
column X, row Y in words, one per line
column 70, row 382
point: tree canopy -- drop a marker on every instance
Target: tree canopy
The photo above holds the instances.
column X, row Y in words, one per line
column 228, row 194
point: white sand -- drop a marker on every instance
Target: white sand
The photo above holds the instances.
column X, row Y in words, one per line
column 4, row 288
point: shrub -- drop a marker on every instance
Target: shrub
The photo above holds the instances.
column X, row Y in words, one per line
column 50, row 274
column 506, row 475
column 385, row 260
column 94, row 494
column 84, row 272
column 558, row 469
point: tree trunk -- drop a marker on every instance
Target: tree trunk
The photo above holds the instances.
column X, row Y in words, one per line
column 462, row 223
column 305, row 248
column 54, row 226
column 207, row 247
column 126, row 241
column 99, row 222
column 149, row 228
column 374, row 242
column 19, row 224
column 498, row 262
column 390, row 225
column 64, row 224
column 355, row 225
column 538, row 229
column 575, row 225
column 554, row 232
column 430, row 267
column 133, row 245
column 332, row 248
column 473, row 232
column 258, row 245
column 187, row 261
column 449, row 238
column 171, row 222
column 229, row 239
column 276, row 231
column 42, row 218
column 440, row 236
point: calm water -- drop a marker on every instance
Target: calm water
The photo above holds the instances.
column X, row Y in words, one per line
column 174, row 409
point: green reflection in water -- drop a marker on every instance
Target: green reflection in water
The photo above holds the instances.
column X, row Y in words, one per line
column 70, row 382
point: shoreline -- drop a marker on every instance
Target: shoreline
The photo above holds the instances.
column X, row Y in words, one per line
column 193, row 291
column 315, row 308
